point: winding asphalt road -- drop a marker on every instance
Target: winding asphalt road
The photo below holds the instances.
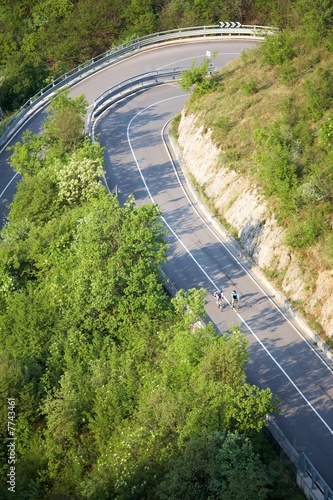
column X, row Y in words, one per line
column 138, row 161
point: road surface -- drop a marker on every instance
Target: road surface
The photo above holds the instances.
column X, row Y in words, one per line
column 138, row 162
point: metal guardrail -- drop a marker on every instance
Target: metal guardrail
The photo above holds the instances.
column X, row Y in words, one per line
column 124, row 50
column 300, row 461
column 307, row 470
column 318, row 488
column 168, row 284
column 129, row 86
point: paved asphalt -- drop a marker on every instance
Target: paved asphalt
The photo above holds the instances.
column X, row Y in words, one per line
column 137, row 162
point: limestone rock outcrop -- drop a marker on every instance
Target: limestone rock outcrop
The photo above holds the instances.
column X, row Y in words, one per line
column 246, row 210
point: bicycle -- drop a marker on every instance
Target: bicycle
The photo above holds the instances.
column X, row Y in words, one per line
column 219, row 297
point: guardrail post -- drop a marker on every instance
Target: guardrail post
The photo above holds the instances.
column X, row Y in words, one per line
column 301, row 463
column 326, row 497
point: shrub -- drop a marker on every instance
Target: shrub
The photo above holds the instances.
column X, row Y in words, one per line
column 194, row 76
column 277, row 170
column 278, row 49
column 175, row 125
column 303, row 233
column 223, row 124
column 319, row 92
column 287, row 73
column 309, row 192
column 325, row 135
column 250, row 87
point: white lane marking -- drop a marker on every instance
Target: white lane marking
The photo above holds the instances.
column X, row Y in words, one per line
column 200, row 267
column 286, row 374
column 192, row 58
column 100, row 70
column 224, row 246
column 20, row 128
column 234, row 256
column 11, row 180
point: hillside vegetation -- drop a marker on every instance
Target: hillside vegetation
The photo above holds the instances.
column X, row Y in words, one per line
column 110, row 388
column 270, row 113
column 42, row 39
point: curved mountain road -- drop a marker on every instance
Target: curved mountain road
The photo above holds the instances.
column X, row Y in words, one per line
column 138, row 162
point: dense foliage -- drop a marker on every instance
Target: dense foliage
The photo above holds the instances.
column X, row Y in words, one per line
column 271, row 114
column 41, row 39
column 118, row 394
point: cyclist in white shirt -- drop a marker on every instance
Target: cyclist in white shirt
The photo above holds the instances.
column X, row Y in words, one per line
column 218, row 294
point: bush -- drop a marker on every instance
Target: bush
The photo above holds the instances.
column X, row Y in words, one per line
column 250, row 87
column 277, row 170
column 319, row 92
column 175, row 125
column 317, row 19
column 278, row 49
column 325, row 135
column 223, row 124
column 328, row 248
column 303, row 233
column 287, row 73
column 194, row 76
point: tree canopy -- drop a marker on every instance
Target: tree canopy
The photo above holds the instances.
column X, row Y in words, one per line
column 114, row 385
column 41, row 39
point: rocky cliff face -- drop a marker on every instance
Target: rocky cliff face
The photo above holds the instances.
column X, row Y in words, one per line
column 243, row 207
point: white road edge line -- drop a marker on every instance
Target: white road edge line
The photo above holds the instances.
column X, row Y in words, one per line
column 200, row 267
column 234, row 256
column 8, row 184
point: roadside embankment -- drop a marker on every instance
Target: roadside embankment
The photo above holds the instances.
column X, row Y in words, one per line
column 242, row 207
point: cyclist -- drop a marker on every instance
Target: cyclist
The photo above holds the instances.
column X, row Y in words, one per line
column 234, row 299
column 218, row 294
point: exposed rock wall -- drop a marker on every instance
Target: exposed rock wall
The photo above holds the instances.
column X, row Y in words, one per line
column 243, row 207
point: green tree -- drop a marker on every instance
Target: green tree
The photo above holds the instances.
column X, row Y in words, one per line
column 220, row 465
column 64, row 127
column 196, row 75
column 27, row 157
column 280, row 48
column 316, row 18
column 78, row 180
column 35, row 198
column 140, row 17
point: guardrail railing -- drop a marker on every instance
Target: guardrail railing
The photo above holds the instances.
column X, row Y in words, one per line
column 307, row 470
column 300, row 461
column 125, row 49
column 308, row 478
column 129, row 86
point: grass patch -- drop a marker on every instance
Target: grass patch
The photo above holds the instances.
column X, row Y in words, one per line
column 270, row 115
column 174, row 126
column 210, row 204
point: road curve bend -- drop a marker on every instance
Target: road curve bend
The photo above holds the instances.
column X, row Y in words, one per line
column 139, row 160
